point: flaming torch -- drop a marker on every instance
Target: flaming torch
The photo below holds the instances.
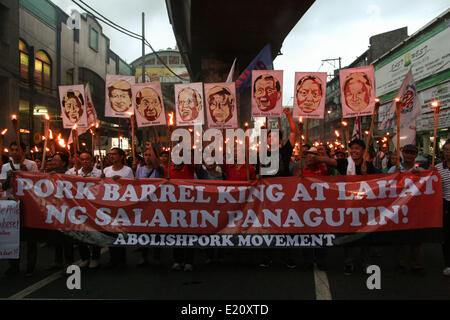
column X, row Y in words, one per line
column 435, row 105
column 171, row 124
column 46, row 133
column 398, row 106
column 16, row 128
column 2, row 138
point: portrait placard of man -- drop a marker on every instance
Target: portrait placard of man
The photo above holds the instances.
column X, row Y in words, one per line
column 266, row 92
column 72, row 104
column 220, row 104
column 309, row 93
column 119, row 93
column 357, row 91
column 148, row 104
column 189, row 104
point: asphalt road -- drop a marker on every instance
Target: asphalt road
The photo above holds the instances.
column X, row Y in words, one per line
column 238, row 277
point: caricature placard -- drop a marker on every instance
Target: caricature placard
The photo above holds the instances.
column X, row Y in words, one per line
column 148, row 104
column 221, row 107
column 267, row 93
column 118, row 96
column 309, row 94
column 357, row 91
column 73, row 109
column 189, row 104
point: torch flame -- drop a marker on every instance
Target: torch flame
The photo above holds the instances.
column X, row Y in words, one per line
column 62, row 143
column 46, row 117
column 97, row 125
column 75, row 126
column 14, row 117
column 435, row 104
column 171, row 122
column 36, row 149
column 344, row 123
column 377, row 100
column 4, row 132
column 50, row 134
column 397, row 99
column 246, row 124
column 300, row 119
column 336, row 132
column 5, row 150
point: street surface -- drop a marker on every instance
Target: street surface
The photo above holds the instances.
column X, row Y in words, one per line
column 237, row 277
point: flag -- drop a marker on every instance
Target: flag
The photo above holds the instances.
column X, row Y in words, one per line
column 91, row 114
column 409, row 100
column 356, row 130
column 263, row 61
column 231, row 73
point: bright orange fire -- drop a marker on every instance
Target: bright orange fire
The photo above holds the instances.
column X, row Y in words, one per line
column 4, row 132
column 13, row 117
column 47, row 117
column 171, row 122
column 50, row 134
column 336, row 132
column 344, row 123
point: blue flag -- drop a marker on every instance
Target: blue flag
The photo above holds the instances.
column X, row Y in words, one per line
column 263, row 61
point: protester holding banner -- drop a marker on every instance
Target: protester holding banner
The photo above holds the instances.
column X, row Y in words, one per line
column 88, row 170
column 409, row 153
column 151, row 169
column 284, row 158
column 352, row 166
column 63, row 245
column 444, row 169
column 19, row 163
column 118, row 255
column 314, row 168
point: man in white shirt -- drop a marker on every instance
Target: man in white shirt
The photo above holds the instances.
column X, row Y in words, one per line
column 118, row 255
column 87, row 170
column 19, row 163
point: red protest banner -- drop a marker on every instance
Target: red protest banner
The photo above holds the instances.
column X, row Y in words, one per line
column 342, row 204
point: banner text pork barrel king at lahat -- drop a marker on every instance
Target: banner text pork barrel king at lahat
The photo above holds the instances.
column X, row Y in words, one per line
column 274, row 206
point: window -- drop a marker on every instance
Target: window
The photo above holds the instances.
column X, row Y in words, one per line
column 42, row 70
column 69, row 76
column 174, row 60
column 93, row 39
column 24, row 60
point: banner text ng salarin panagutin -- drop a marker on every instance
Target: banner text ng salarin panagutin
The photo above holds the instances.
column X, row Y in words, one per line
column 274, row 212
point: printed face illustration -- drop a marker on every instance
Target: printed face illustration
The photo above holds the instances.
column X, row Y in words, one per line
column 266, row 92
column 189, row 104
column 120, row 96
column 357, row 91
column 73, row 105
column 220, row 104
column 309, row 93
column 148, row 104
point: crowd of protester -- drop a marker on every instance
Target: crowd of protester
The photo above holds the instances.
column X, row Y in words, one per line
column 312, row 161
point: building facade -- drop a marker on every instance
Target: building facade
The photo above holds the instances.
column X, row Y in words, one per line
column 55, row 49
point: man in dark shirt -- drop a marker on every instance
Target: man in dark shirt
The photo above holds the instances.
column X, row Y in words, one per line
column 285, row 154
column 353, row 165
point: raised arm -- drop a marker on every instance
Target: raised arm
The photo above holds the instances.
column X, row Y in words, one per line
column 292, row 126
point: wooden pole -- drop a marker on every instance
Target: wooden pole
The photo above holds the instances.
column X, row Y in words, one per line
column 46, row 131
column 133, row 151
column 369, row 136
column 2, row 138
column 435, row 106
column 398, row 105
column 247, row 150
column 307, row 131
column 300, row 139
